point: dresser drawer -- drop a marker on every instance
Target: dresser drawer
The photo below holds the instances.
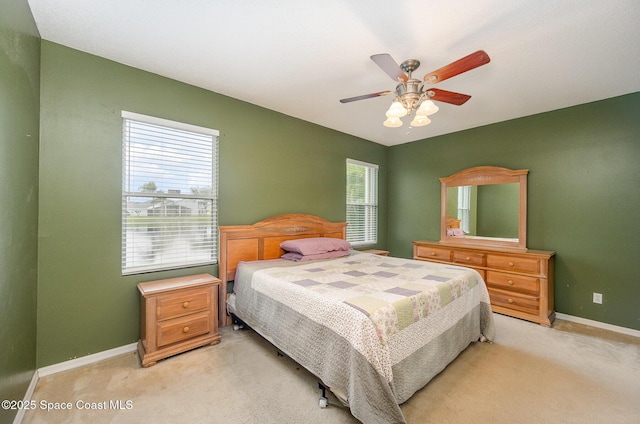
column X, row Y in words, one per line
column 468, row 258
column 186, row 302
column 512, row 282
column 435, row 253
column 529, row 265
column 513, row 300
column 183, row 328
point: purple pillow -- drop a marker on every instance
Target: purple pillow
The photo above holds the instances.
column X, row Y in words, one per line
column 293, row 256
column 315, row 245
column 455, row 232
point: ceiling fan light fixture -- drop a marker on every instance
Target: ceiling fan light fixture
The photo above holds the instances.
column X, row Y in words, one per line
column 396, row 110
column 392, row 122
column 420, row 121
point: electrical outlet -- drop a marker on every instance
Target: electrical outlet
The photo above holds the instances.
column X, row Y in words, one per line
column 597, row 298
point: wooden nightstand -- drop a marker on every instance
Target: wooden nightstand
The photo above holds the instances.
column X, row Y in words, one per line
column 176, row 315
column 377, row 252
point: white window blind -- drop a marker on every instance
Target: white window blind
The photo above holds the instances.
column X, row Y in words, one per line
column 169, row 194
column 362, row 202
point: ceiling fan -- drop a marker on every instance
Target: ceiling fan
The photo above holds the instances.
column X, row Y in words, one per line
column 412, row 94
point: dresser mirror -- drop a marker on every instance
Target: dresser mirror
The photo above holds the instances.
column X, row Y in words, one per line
column 485, row 206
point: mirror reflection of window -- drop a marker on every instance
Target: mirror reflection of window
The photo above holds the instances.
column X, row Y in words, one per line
column 464, row 207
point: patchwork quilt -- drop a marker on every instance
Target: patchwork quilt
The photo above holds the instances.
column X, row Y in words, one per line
column 374, row 329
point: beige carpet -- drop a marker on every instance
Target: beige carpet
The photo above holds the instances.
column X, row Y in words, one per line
column 531, row 374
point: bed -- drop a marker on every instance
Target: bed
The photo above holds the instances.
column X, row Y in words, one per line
column 373, row 329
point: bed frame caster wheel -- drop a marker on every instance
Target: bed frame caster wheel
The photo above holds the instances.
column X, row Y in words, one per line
column 323, row 402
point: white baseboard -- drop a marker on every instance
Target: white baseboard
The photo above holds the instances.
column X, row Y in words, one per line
column 85, row 360
column 598, row 324
column 27, row 397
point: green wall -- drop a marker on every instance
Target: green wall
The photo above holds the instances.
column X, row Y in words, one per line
column 270, row 163
column 583, row 196
column 19, row 116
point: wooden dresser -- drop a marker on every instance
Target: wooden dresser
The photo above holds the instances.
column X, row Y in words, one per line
column 520, row 283
column 176, row 315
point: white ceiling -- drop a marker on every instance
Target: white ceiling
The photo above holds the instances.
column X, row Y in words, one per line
column 299, row 57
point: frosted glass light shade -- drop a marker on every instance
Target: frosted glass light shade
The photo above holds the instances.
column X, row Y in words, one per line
column 392, row 122
column 420, row 121
column 396, row 110
column 427, row 108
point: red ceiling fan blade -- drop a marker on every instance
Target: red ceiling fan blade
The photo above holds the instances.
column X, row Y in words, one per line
column 447, row 96
column 389, row 66
column 365, row 96
column 465, row 64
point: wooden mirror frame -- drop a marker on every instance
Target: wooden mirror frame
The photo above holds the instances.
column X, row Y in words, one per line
column 483, row 175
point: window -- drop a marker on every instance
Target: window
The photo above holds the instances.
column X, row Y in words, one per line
column 362, row 202
column 169, row 194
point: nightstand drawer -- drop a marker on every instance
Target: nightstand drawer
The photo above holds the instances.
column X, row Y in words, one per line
column 468, row 258
column 512, row 263
column 428, row 253
column 512, row 282
column 188, row 301
column 184, row 328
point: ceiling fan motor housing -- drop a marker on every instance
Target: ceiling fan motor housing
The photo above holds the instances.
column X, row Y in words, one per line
column 409, row 93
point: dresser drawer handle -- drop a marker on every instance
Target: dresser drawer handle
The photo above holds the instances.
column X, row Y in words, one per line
column 510, row 282
column 185, row 330
column 185, row 305
column 510, row 300
column 511, row 263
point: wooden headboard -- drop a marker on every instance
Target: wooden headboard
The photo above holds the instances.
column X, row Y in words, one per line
column 452, row 222
column 262, row 240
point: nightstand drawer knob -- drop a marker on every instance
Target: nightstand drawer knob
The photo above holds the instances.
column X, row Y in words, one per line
column 511, row 263
column 433, row 253
column 510, row 282
column 185, row 305
column 185, row 330
column 508, row 300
